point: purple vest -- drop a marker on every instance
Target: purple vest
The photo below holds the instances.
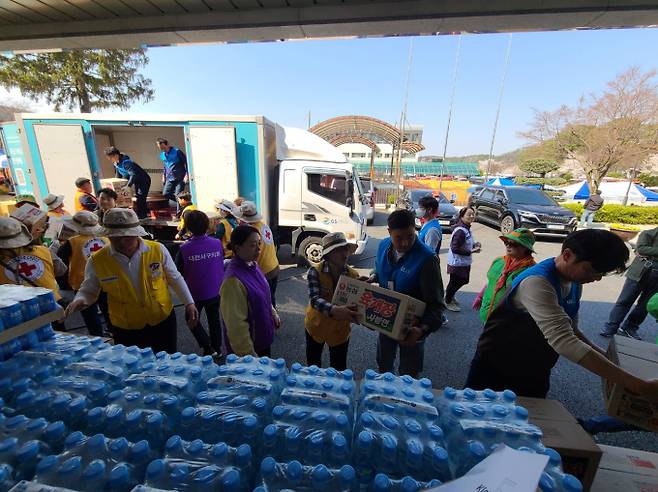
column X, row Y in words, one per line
column 203, row 266
column 261, row 324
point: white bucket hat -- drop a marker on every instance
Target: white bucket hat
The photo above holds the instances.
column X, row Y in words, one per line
column 53, row 201
column 336, row 240
column 248, row 212
column 84, row 223
column 226, row 206
column 13, row 233
column 122, row 222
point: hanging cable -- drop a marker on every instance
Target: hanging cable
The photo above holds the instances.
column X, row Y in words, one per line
column 500, row 101
column 452, row 100
column 402, row 118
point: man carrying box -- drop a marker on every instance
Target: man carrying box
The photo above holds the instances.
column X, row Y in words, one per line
column 406, row 265
column 536, row 322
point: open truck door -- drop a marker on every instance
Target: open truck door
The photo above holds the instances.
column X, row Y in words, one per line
column 212, row 164
column 63, row 154
column 18, row 166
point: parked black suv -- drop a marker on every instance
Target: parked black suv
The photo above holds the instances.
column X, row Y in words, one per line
column 510, row 207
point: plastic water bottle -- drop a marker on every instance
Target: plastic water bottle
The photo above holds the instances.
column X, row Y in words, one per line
column 472, row 455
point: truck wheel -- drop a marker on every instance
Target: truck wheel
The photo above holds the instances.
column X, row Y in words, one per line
column 310, row 250
column 507, row 224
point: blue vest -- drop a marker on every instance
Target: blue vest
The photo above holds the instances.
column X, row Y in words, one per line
column 432, row 224
column 546, row 269
column 404, row 274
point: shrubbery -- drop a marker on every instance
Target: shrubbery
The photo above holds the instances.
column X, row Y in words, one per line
column 546, row 181
column 620, row 213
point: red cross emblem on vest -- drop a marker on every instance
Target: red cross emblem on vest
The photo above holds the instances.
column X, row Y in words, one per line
column 95, row 247
column 26, row 269
column 268, row 235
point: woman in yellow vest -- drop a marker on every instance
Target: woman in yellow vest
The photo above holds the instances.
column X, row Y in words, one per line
column 186, row 206
column 227, row 223
column 20, row 261
column 267, row 260
column 326, row 322
column 55, row 204
column 75, row 252
column 136, row 275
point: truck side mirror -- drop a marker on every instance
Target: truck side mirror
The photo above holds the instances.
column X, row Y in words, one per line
column 349, row 194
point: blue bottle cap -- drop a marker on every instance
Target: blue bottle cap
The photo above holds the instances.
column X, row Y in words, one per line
column 319, row 417
column 155, row 420
column 243, row 455
column 347, row 475
column 275, row 374
column 309, row 383
column 94, row 470
column 490, row 394
column 278, row 411
column 70, row 466
column 571, row 484
column 47, row 464
column 469, row 394
column 348, row 375
column 521, row 412
column 294, row 471
column 439, row 454
column 96, row 441
column 370, row 387
column 414, row 450
column 296, row 367
column 457, row 410
column 408, row 484
column 434, row 483
column 195, row 447
column 365, row 439
column 195, row 372
column 169, row 402
column 16, row 421
column 509, row 396
column 408, row 392
column 119, row 476
column 248, row 359
column 219, row 451
column 436, row 433
column 342, row 421
column 381, row 483
column 478, row 410
column 391, row 423
column 188, row 413
column 28, row 451
column 268, row 467
column 339, row 442
column 389, row 377
column 8, row 444
column 389, row 389
column 428, row 397
column 371, row 374
column 270, row 432
column 156, row 468
column 259, row 404
column 499, row 411
column 25, row 398
column 547, row 483
column 180, row 473
column 412, row 426
column 55, row 431
column 74, row 439
column 327, row 385
column 140, row 451
column 426, row 383
column 477, row 449
column 320, row 474
column 554, row 457
column 134, row 417
column 367, row 420
column 36, row 424
column 151, row 399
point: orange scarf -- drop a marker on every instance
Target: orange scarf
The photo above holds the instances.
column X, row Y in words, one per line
column 511, row 265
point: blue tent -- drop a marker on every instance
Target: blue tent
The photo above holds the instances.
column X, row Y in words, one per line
column 582, row 193
column 500, row 182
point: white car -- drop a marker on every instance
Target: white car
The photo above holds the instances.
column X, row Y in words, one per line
column 369, row 194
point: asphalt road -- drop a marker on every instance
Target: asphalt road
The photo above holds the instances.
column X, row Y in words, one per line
column 448, row 352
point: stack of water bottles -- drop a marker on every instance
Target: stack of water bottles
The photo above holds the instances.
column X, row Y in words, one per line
column 398, row 434
column 19, row 304
column 295, row 476
column 238, row 402
column 476, row 422
column 199, row 466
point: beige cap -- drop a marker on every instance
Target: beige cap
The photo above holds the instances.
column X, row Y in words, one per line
column 53, row 201
column 13, row 233
column 122, row 222
column 248, row 212
column 335, row 240
column 85, row 223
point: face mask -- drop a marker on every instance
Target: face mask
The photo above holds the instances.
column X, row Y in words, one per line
column 420, row 212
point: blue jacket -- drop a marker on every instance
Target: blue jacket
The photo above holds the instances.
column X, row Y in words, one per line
column 128, row 169
column 405, row 273
column 175, row 164
column 432, row 224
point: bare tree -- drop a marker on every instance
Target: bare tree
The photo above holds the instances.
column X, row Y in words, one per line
column 617, row 128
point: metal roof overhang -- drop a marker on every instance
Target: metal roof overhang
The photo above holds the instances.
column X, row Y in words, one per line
column 28, row 25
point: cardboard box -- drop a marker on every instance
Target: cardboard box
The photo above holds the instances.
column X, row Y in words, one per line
column 629, row 461
column 640, row 359
column 580, row 454
column 383, row 310
column 125, row 199
column 614, row 481
column 627, row 470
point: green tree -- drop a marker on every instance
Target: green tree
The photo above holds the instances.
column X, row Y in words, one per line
column 539, row 166
column 80, row 79
column 648, row 179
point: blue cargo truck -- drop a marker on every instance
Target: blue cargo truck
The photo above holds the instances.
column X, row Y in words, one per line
column 302, row 184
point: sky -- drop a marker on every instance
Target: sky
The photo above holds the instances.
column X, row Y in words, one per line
column 284, row 81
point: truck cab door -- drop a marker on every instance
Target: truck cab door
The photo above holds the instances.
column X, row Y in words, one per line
column 325, row 199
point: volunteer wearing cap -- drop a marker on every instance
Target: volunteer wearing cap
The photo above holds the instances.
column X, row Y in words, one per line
column 126, row 168
column 174, row 171
column 75, row 252
column 502, row 272
column 184, row 203
column 21, row 262
column 406, row 265
column 136, row 275
column 84, row 197
column 55, row 204
column 267, row 259
column 227, row 223
column 326, row 322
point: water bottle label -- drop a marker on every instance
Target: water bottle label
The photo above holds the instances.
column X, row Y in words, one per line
column 419, row 407
column 230, row 380
column 316, row 394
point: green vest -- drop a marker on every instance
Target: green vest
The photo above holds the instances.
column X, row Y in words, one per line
column 494, row 273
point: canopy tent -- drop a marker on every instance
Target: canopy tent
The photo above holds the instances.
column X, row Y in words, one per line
column 500, row 182
column 612, row 191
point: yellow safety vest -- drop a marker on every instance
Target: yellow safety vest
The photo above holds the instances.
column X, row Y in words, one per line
column 322, row 328
column 131, row 308
column 82, row 247
column 189, row 208
column 78, row 205
column 226, row 238
column 267, row 260
column 32, row 262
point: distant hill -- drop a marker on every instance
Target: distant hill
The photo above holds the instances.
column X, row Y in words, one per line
column 507, row 159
